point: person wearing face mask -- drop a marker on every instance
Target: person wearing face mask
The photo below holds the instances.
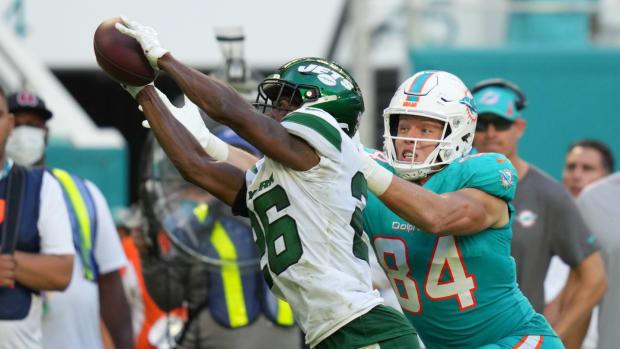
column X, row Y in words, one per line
column 95, row 290
column 35, row 244
column 26, row 145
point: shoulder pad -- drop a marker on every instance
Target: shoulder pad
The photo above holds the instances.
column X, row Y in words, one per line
column 490, row 172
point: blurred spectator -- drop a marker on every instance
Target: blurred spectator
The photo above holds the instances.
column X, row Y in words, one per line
column 128, row 219
column 599, row 204
column 95, row 286
column 153, row 328
column 200, row 254
column 587, row 161
column 36, row 251
column 547, row 221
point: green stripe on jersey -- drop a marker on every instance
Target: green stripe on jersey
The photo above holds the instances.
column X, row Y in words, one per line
column 324, row 128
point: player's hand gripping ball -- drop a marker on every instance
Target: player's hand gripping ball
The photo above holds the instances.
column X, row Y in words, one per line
column 121, row 56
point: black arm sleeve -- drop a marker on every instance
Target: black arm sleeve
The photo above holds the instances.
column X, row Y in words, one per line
column 240, row 206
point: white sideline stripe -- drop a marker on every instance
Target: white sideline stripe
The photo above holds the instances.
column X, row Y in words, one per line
column 531, row 342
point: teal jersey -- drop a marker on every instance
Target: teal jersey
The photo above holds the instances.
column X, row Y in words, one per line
column 457, row 291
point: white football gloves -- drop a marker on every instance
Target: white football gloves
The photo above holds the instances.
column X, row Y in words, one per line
column 377, row 177
column 146, row 37
column 133, row 90
column 189, row 116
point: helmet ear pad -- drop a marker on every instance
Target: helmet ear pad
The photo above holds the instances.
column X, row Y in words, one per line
column 441, row 156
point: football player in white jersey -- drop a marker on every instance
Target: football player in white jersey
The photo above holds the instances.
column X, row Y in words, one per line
column 304, row 198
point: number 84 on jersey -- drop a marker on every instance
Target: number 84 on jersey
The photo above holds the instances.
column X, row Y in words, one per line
column 446, row 276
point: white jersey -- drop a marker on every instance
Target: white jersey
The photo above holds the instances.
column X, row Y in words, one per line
column 307, row 225
column 77, row 307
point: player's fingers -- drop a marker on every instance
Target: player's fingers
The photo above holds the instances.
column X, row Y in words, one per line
column 123, row 29
column 145, row 124
column 7, row 267
column 128, row 22
column 150, row 31
column 127, row 31
column 7, row 278
column 124, row 19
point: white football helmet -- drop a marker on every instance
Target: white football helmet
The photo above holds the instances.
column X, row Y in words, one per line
column 440, row 96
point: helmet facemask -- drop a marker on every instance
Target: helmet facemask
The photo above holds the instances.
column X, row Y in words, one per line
column 273, row 90
column 313, row 82
column 415, row 169
column 443, row 97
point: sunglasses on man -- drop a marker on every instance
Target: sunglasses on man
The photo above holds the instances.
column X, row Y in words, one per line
column 500, row 124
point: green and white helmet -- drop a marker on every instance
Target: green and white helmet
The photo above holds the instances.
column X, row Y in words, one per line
column 318, row 83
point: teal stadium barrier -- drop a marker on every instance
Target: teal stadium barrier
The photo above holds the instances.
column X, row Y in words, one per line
column 106, row 167
column 573, row 93
column 573, row 88
column 560, row 29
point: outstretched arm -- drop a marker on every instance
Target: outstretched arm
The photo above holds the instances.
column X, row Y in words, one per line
column 465, row 211
column 462, row 212
column 224, row 104
column 220, row 179
column 189, row 115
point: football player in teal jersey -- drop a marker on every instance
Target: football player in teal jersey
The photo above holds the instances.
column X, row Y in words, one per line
column 440, row 222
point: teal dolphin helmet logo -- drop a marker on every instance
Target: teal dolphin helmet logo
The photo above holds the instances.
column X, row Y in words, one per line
column 470, row 103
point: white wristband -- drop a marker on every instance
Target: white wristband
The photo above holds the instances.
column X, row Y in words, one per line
column 378, row 179
column 216, row 148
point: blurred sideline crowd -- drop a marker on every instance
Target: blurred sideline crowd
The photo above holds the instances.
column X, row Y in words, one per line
column 177, row 269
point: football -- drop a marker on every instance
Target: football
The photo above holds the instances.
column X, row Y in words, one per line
column 121, row 56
